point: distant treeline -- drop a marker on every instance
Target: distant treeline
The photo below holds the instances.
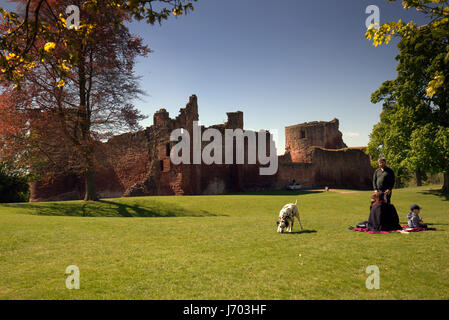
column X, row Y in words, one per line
column 426, row 179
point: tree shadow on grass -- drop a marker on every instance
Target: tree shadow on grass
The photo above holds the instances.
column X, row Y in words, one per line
column 157, row 209
column 437, row 193
column 281, row 192
column 52, row 209
column 108, row 208
column 302, row 231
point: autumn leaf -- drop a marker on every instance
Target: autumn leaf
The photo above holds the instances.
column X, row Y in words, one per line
column 61, row 83
column 436, row 83
column 64, row 66
column 177, row 11
column 10, row 56
column 49, row 46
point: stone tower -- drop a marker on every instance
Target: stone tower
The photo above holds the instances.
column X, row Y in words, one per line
column 299, row 138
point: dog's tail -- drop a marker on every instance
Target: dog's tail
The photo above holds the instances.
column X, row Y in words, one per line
column 296, row 202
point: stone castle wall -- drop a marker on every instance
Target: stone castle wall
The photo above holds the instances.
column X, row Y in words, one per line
column 299, row 138
column 138, row 164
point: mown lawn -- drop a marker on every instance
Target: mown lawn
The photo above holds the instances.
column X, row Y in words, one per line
column 221, row 247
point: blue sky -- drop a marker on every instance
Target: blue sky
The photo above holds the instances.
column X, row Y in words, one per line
column 281, row 62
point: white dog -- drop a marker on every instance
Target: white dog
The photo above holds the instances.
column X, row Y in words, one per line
column 287, row 217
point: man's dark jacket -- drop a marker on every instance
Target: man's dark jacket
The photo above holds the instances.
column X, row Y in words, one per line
column 383, row 217
column 383, row 180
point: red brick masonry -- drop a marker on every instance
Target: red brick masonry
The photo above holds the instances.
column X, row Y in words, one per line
column 137, row 164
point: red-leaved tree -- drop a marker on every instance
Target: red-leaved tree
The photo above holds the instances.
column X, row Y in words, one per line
column 78, row 92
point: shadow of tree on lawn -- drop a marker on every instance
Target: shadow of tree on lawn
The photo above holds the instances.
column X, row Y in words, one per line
column 109, row 208
column 437, row 193
column 157, row 209
column 302, row 231
column 281, row 192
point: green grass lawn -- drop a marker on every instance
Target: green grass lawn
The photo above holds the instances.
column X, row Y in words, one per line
column 221, row 247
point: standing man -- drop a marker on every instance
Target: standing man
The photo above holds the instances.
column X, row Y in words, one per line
column 383, row 179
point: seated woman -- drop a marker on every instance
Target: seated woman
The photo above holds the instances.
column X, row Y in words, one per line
column 383, row 216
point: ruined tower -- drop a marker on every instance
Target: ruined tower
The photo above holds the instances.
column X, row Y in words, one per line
column 301, row 137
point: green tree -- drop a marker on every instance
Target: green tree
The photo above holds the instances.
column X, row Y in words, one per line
column 13, row 185
column 389, row 141
column 414, row 126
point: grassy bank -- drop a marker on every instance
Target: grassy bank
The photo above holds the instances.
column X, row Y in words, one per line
column 221, row 247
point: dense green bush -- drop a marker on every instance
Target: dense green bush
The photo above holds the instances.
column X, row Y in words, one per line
column 13, row 185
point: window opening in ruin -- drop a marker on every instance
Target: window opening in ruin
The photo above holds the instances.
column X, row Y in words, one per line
column 161, row 164
column 167, row 149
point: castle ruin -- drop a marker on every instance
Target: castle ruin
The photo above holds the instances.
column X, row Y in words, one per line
column 139, row 164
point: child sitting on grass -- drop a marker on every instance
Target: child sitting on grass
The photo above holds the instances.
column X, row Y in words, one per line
column 414, row 221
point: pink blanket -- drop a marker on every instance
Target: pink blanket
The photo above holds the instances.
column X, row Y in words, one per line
column 404, row 228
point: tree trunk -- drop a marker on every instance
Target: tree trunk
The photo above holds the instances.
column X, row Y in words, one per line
column 418, row 178
column 84, row 114
column 398, row 183
column 90, row 193
column 445, row 189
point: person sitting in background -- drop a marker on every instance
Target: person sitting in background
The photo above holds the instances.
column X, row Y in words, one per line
column 414, row 221
column 383, row 216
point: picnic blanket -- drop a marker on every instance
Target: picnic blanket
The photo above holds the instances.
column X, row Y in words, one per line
column 405, row 228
